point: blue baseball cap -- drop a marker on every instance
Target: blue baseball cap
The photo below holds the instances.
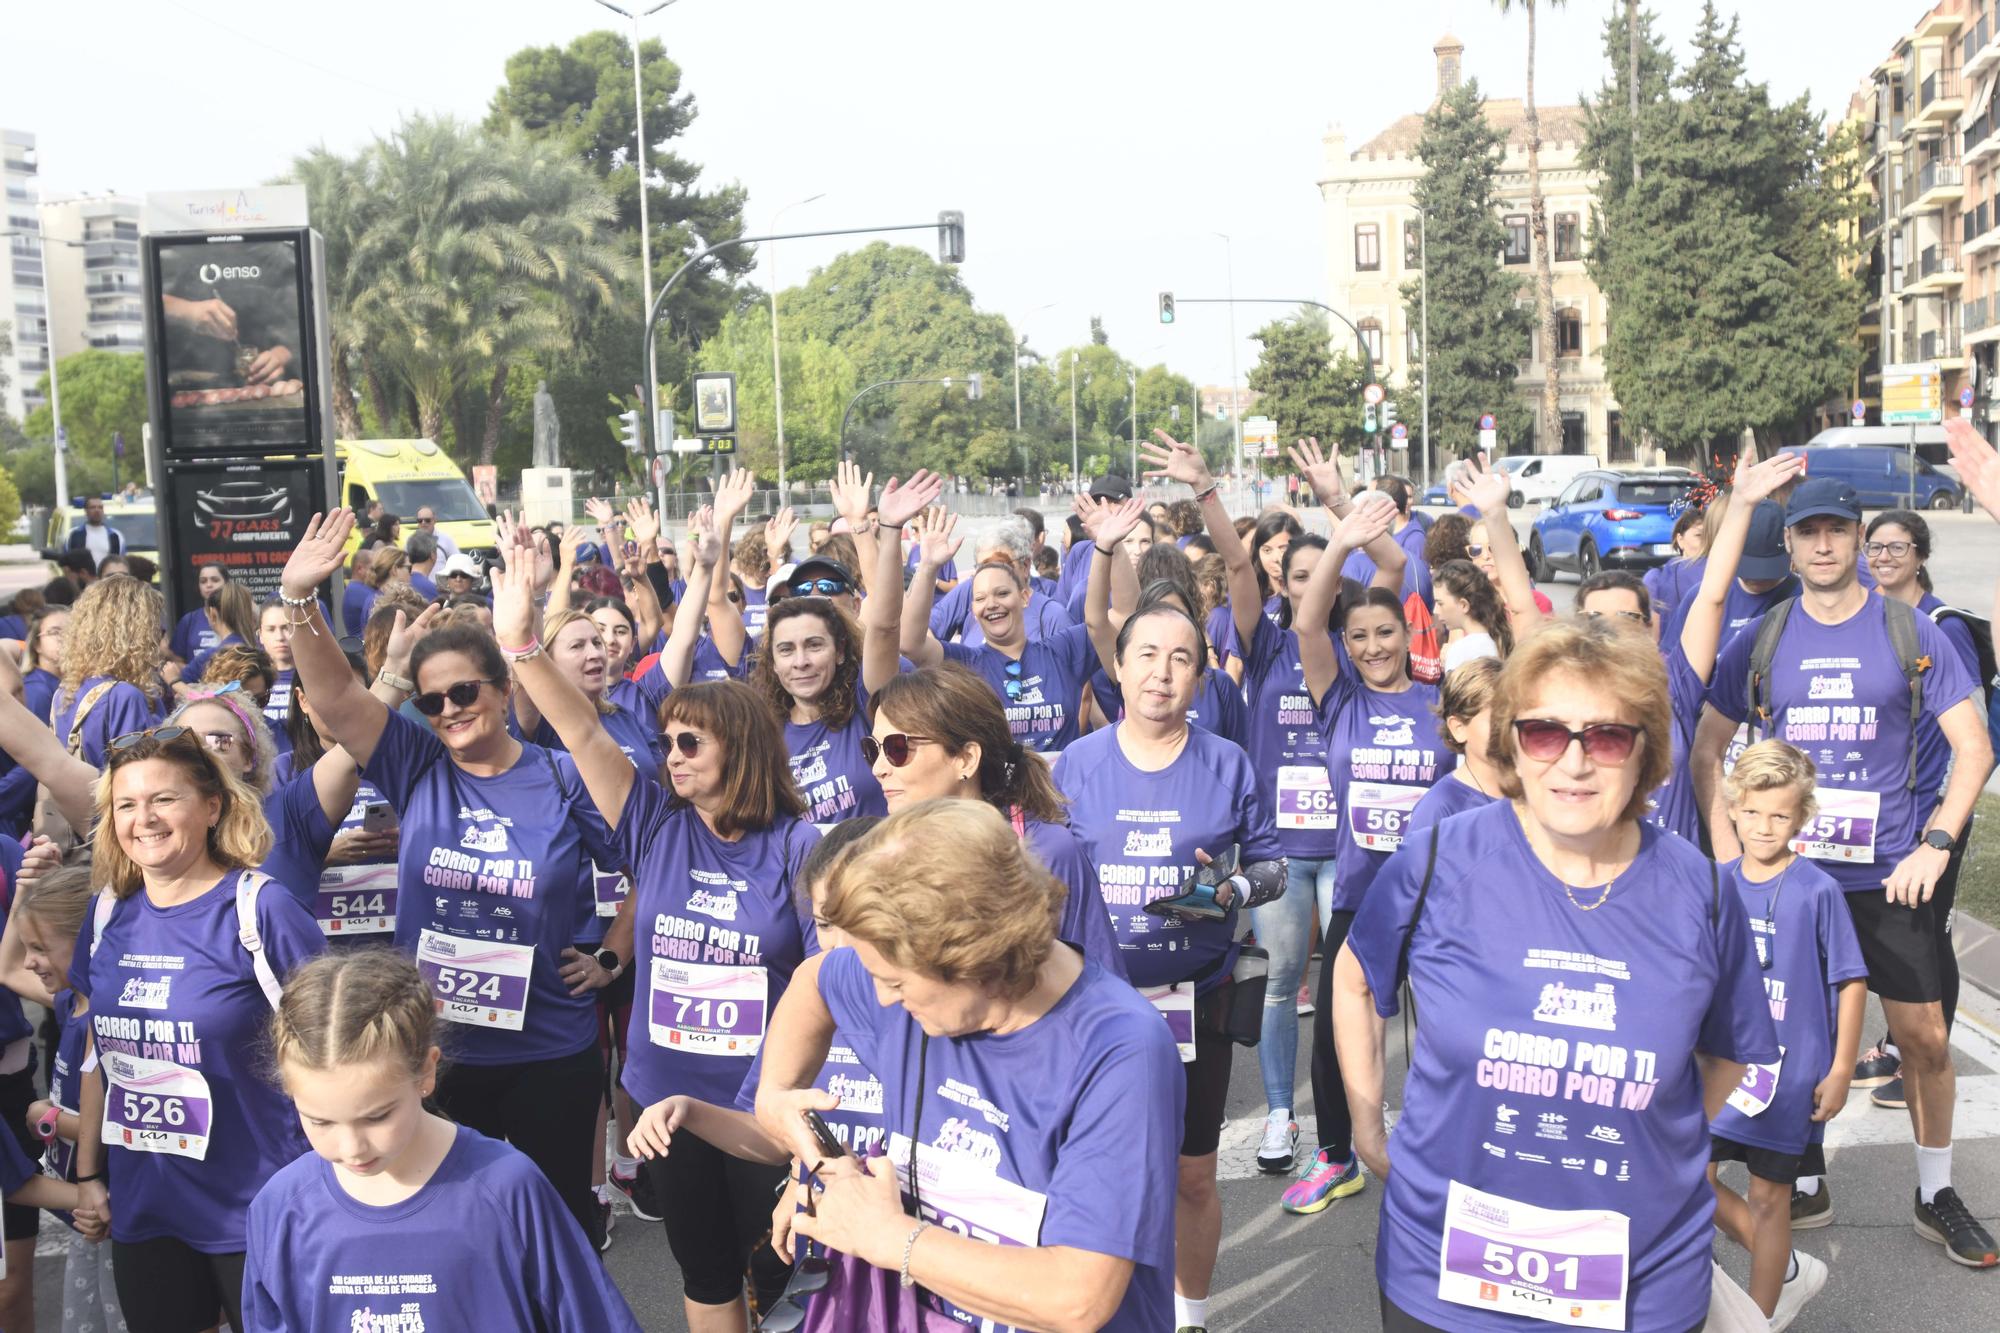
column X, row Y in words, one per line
column 1764, row 553
column 1828, row 496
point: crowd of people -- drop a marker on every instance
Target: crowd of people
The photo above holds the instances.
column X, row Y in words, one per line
column 886, row 931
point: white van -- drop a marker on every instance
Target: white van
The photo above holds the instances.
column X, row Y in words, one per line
column 1540, row 478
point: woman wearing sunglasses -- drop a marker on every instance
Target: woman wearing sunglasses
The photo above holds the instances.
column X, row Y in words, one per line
column 181, row 1117
column 1586, row 994
column 715, row 859
column 1048, row 1160
column 1038, row 681
column 809, row 666
column 939, row 732
column 497, row 841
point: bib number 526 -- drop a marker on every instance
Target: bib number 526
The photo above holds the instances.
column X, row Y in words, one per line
column 146, row 1109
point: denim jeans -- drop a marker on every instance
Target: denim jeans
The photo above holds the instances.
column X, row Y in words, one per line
column 1284, row 928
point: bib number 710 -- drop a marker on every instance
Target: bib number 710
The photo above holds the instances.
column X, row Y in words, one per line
column 1507, row 1261
column 724, row 1012
column 455, row 983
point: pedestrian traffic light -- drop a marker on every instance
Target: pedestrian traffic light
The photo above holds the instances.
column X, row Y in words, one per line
column 1368, row 422
column 633, row 437
column 1389, row 414
column 951, row 237
column 974, row 386
column 1166, row 307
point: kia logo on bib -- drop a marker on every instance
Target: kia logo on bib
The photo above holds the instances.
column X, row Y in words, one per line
column 219, row 272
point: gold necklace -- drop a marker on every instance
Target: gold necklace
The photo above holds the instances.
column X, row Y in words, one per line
column 1603, row 896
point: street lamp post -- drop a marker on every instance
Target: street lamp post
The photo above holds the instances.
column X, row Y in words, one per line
column 777, row 366
column 1424, row 332
column 1073, row 359
column 1133, row 378
column 1235, row 404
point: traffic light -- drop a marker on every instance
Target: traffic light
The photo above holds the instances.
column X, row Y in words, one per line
column 1166, row 307
column 974, row 386
column 1388, row 414
column 634, row 438
column 1368, row 422
column 951, row 237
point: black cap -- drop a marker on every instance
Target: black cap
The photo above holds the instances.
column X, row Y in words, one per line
column 1764, row 553
column 819, row 567
column 1111, row 486
column 1816, row 496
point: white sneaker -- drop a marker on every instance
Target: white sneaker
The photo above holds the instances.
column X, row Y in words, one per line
column 1305, row 1001
column 1797, row 1291
column 1280, row 1147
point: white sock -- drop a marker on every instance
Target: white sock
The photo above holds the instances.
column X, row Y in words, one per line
column 625, row 1166
column 1792, row 1266
column 1933, row 1171
column 1189, row 1313
column 1281, row 1114
column 1807, row 1185
column 1889, row 1049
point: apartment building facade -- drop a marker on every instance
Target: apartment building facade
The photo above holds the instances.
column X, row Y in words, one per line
column 94, row 273
column 22, row 281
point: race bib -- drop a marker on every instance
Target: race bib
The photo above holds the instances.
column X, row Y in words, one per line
column 1734, row 750
column 1562, row 1267
column 481, row 982
column 356, row 900
column 1176, row 1005
column 1378, row 812
column 1844, row 828
column 611, row 888
column 1305, row 798
column 964, row 1194
column 155, row 1106
column 1760, row 1084
column 706, row 1009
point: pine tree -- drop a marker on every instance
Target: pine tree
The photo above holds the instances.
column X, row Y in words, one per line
column 1478, row 334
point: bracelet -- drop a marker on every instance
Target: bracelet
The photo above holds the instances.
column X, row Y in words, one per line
column 533, row 648
column 1201, row 497
column 304, row 604
column 99, row 1175
column 893, row 527
column 908, row 1245
column 396, row 682
column 1099, row 549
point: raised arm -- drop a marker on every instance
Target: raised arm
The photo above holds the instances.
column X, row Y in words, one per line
column 1184, row 463
column 704, row 552
column 639, row 594
column 559, row 591
column 1701, row 627
column 607, row 773
column 937, row 542
column 351, row 714
column 1322, row 472
column 72, row 783
column 725, row 622
column 852, row 490
column 1319, row 656
column 881, row 610
column 778, row 529
column 1105, row 524
column 1486, row 489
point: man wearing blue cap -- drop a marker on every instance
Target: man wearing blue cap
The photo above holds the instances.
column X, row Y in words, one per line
column 1845, row 677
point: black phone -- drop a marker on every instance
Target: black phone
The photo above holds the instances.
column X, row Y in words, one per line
column 822, row 1133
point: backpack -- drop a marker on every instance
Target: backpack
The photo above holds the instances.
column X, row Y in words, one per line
column 1426, row 653
column 49, row 820
column 1981, row 630
column 248, row 885
column 1901, row 620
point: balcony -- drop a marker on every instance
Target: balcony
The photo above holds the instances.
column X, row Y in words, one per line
column 1982, row 136
column 1979, row 48
column 1936, row 24
column 1940, row 98
column 1946, row 346
column 1932, row 186
column 1937, row 268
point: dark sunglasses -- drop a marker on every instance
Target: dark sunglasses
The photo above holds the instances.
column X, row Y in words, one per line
column 809, row 1277
column 820, row 587
column 688, row 743
column 896, row 745
column 158, row 735
column 462, row 695
column 1543, row 738
column 351, row 643
column 1475, row 549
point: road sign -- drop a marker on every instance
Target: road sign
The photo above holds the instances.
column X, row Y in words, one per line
column 1259, row 433
column 1399, row 432
column 1965, row 396
column 1373, row 394
column 1487, row 422
column 1859, row 411
column 1489, row 440
column 1912, row 394
column 687, row 446
column 659, row 470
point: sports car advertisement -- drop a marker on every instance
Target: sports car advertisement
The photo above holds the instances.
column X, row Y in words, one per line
column 246, row 517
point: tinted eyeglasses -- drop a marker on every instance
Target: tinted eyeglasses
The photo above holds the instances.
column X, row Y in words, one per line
column 1013, row 681
column 462, row 695
column 1544, row 739
column 1475, row 549
column 688, row 743
column 1632, row 616
column 809, row 1277
column 896, row 745
column 157, row 735
column 820, row 588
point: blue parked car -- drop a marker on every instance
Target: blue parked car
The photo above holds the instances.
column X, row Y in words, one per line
column 1884, row 476
column 1610, row 520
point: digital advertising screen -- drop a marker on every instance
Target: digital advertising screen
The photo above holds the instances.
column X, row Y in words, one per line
column 245, row 517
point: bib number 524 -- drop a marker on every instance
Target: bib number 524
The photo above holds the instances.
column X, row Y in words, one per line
column 458, row 984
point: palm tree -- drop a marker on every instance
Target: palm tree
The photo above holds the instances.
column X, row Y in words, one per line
column 338, row 205
column 1538, row 224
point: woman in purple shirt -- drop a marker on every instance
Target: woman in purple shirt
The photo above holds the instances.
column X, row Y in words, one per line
column 809, row 665
column 1587, row 996
column 110, row 681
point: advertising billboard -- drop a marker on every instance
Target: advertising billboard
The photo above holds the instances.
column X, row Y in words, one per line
column 246, row 517
column 233, row 349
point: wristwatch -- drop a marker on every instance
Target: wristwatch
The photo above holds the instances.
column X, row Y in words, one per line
column 1940, row 840
column 45, row 1126
column 608, row 960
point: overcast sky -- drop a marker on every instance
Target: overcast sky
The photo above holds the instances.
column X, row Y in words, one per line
column 1095, row 146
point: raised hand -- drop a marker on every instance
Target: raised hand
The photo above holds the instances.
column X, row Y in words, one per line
column 1321, row 471
column 902, row 502
column 600, row 511
column 852, row 491
column 319, row 555
column 1977, row 462
column 1760, row 481
column 732, row 497
column 514, row 589
column 703, row 542
column 1108, row 522
column 1175, row 461
column 572, row 539
column 778, row 529
column 403, row 638
column 645, row 524
column 1371, row 517
column 1482, row 486
column 938, row 538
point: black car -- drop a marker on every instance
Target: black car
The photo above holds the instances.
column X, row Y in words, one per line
column 242, row 502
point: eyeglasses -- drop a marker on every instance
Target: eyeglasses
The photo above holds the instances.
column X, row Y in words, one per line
column 1632, row 616
column 1013, row 682
column 820, row 587
column 1895, row 550
column 896, row 745
column 222, row 742
column 1475, row 549
column 425, row 521
column 1544, row 738
column 158, row 735
column 462, row 695
column 689, row 743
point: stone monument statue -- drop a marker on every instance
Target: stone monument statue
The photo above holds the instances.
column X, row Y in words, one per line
column 548, row 431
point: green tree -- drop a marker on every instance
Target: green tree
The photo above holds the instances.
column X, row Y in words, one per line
column 1723, row 265
column 1304, row 386
column 10, row 503
column 1548, row 435
column 1478, row 334
column 103, row 394
column 819, row 379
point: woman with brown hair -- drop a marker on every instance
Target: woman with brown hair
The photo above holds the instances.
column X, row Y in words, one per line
column 187, row 940
column 232, row 611
column 110, row 678
column 373, row 571
column 809, row 666
column 714, row 860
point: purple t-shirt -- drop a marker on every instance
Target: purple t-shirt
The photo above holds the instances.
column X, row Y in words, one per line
column 278, row 708
column 1382, row 755
column 1447, row 797
column 197, row 665
column 121, row 709
column 194, row 1127
column 1042, row 690
column 301, row 836
column 828, row 768
column 1361, row 567
column 1217, row 706
column 1740, row 607
column 1673, row 584
column 1933, row 751
column 1554, row 1062
column 1221, row 629
column 1141, row 830
column 1285, row 745
column 756, row 607
column 1837, row 692
column 952, row 617
column 1085, row 921
column 1674, row 807
column 356, row 904
column 1799, row 923
column 192, row 634
column 1064, row 1132
column 66, row 1083
column 495, row 876
column 485, row 1244
column 721, row 929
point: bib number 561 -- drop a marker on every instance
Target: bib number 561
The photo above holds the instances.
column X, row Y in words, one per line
column 1532, row 1266
column 456, row 983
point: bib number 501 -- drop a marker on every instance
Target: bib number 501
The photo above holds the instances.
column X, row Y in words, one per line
column 1507, row 1261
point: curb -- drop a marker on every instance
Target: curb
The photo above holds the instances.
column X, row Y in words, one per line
column 1978, row 947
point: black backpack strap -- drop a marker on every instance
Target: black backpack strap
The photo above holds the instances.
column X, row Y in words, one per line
column 1901, row 620
column 1417, row 912
column 1763, row 650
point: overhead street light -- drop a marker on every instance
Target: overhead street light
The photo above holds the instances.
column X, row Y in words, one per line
column 973, row 389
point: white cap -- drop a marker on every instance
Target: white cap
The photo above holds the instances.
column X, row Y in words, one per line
column 459, row 563
column 780, row 577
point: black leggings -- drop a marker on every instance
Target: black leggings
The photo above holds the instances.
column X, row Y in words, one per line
column 546, row 1108
column 1336, row 1127
column 718, row 1217
column 168, row 1286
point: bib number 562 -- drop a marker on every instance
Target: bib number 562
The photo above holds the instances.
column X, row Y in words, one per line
column 456, row 983
column 1532, row 1266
